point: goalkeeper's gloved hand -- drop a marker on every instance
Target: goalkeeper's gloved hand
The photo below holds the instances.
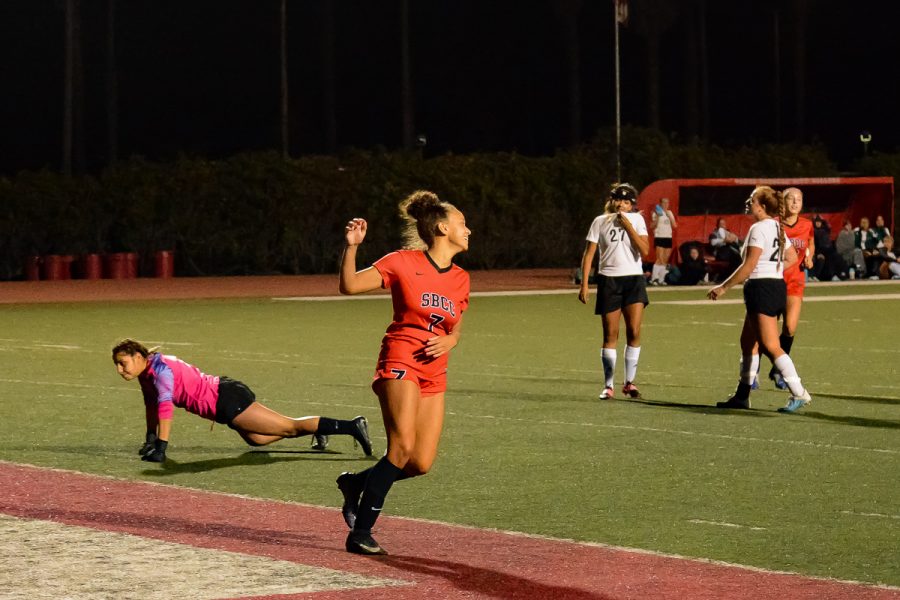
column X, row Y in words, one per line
column 158, row 454
column 147, row 448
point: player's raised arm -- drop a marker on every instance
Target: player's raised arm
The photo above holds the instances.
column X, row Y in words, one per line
column 353, row 281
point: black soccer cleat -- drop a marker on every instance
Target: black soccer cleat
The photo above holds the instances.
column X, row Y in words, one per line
column 319, row 442
column 362, row 542
column 734, row 402
column 361, row 434
column 346, row 482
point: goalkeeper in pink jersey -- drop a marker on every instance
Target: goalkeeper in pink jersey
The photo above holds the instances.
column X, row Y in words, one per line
column 167, row 382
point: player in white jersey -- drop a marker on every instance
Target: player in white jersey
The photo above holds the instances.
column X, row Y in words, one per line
column 663, row 223
column 621, row 237
column 765, row 295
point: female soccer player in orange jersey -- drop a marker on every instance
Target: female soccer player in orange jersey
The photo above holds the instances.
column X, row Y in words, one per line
column 429, row 295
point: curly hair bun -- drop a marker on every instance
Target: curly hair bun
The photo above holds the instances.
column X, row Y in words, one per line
column 420, row 203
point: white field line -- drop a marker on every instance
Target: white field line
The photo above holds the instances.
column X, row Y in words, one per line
column 724, row 524
column 502, row 531
column 737, row 438
column 876, row 515
column 837, row 447
column 850, row 297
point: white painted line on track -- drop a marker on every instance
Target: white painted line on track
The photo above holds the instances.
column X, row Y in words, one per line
column 56, row 560
column 472, row 528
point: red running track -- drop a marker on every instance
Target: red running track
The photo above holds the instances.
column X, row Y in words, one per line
column 438, row 561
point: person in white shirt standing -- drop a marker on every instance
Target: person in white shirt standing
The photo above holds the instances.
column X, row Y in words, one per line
column 663, row 222
column 765, row 295
column 621, row 236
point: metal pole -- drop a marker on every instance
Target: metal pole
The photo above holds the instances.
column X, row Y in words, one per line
column 285, row 119
column 618, row 99
column 68, row 85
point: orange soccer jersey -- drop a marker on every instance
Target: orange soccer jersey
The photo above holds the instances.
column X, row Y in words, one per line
column 428, row 301
column 800, row 234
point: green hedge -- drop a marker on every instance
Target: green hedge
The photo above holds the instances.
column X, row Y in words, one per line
column 258, row 214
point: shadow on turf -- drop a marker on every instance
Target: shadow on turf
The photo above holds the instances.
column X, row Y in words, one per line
column 250, row 458
column 855, row 421
column 707, row 409
column 870, row 399
column 486, row 583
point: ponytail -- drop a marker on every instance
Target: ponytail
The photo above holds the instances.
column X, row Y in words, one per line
column 782, row 209
column 423, row 211
column 131, row 347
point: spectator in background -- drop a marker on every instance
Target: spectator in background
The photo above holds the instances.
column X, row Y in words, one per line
column 663, row 222
column 726, row 245
column 851, row 257
column 890, row 268
column 826, row 263
column 867, row 242
column 692, row 268
column 880, row 231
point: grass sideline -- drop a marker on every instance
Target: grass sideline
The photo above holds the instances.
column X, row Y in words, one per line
column 527, row 446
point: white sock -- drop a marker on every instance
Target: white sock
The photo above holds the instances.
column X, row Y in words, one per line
column 789, row 373
column 631, row 362
column 659, row 273
column 749, row 368
column 608, row 355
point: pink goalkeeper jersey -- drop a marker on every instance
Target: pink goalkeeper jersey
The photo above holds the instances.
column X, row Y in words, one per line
column 169, row 381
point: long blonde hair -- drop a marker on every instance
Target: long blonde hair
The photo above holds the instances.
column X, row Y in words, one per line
column 773, row 202
column 422, row 211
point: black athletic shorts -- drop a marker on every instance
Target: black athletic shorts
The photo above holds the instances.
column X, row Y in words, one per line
column 662, row 242
column 234, row 398
column 615, row 292
column 765, row 296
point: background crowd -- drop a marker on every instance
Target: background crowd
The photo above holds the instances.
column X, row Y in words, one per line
column 861, row 252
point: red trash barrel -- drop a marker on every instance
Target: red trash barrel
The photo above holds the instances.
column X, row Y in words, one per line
column 165, row 264
column 115, row 265
column 131, row 265
column 33, row 268
column 57, row 266
column 90, row 266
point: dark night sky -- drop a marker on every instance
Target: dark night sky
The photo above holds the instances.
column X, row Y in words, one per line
column 201, row 76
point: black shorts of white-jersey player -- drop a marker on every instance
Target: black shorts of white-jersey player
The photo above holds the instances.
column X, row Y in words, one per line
column 765, row 255
column 621, row 237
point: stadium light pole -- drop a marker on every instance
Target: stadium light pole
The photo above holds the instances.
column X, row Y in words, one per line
column 865, row 137
column 620, row 15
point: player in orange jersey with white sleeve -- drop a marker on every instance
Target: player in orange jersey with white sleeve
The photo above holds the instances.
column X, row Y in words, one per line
column 429, row 295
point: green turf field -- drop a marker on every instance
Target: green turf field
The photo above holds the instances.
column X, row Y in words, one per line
column 527, row 446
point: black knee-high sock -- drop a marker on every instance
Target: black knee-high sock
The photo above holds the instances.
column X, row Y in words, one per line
column 378, row 484
column 329, row 426
column 359, row 479
column 786, row 342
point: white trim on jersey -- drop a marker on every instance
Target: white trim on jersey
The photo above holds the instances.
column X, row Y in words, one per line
column 764, row 235
column 617, row 255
